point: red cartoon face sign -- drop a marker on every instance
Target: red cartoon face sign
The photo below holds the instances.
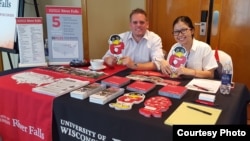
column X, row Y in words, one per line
column 155, row 106
column 126, row 101
column 178, row 57
column 116, row 45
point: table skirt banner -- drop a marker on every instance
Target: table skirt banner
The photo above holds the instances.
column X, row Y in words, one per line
column 85, row 121
column 24, row 115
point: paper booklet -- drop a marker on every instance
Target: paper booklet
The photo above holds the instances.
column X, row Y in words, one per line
column 87, row 90
column 141, row 87
column 106, row 95
column 116, row 81
column 60, row 86
column 173, row 91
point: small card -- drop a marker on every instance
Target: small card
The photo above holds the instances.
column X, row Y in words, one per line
column 207, row 97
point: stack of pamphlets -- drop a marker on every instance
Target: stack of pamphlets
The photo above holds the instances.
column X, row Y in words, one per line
column 87, row 90
column 60, row 86
column 106, row 95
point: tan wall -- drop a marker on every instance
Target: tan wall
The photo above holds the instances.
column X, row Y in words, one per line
column 43, row 3
column 106, row 17
column 29, row 11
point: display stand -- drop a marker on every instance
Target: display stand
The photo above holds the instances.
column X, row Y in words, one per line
column 31, row 44
column 10, row 61
column 64, row 28
column 9, row 11
column 17, row 6
column 36, row 8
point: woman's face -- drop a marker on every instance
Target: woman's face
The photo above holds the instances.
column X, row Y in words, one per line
column 183, row 33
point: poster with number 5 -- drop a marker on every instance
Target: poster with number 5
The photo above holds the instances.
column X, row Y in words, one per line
column 64, row 29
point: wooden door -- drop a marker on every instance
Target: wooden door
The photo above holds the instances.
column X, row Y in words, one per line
column 232, row 34
column 163, row 12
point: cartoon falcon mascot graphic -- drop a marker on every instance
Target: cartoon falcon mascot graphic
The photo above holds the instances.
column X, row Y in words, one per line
column 115, row 44
column 178, row 58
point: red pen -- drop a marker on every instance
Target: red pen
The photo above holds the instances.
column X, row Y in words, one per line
column 199, row 87
column 205, row 102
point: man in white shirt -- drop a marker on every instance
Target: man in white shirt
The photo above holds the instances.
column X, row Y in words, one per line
column 142, row 48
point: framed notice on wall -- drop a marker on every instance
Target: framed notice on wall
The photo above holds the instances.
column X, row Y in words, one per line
column 31, row 44
column 64, row 28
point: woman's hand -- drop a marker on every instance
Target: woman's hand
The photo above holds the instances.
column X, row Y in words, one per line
column 165, row 67
column 185, row 71
column 181, row 71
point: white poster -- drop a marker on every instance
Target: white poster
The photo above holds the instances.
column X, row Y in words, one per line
column 64, row 28
column 8, row 14
column 30, row 41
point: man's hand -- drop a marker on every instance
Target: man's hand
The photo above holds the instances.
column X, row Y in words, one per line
column 110, row 60
column 126, row 61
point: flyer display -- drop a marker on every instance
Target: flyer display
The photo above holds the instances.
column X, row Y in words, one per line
column 64, row 27
column 31, row 44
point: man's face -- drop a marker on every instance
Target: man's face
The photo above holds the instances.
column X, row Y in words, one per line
column 138, row 25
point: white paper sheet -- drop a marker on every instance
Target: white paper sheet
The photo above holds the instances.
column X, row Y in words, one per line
column 204, row 85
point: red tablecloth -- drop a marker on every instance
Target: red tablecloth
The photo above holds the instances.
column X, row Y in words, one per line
column 25, row 115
